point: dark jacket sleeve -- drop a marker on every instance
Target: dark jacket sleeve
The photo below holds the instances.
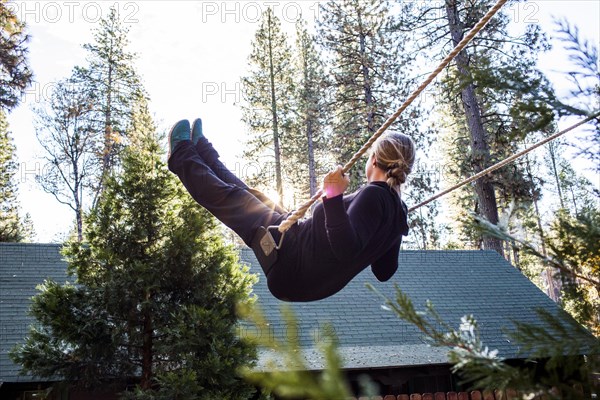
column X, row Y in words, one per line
column 385, row 267
column 350, row 231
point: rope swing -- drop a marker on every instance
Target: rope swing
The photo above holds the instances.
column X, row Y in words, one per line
column 301, row 211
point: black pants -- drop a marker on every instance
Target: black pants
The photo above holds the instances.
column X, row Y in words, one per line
column 218, row 190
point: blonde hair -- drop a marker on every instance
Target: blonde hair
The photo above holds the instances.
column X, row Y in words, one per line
column 395, row 154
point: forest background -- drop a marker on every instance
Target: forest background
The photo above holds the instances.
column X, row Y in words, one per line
column 286, row 90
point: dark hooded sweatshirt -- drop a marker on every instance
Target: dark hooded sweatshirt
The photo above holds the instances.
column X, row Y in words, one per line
column 345, row 235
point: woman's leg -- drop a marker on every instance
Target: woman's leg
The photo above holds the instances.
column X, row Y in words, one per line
column 231, row 204
column 211, row 157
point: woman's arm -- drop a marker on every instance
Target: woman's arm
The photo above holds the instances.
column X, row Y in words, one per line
column 350, row 230
column 385, row 267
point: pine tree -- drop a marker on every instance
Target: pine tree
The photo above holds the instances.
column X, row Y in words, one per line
column 306, row 143
column 13, row 228
column 494, row 93
column 15, row 74
column 573, row 233
column 114, row 86
column 572, row 236
column 65, row 129
column 268, row 90
column 155, row 292
column 365, row 70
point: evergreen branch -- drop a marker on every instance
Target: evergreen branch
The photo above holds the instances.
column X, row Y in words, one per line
column 294, row 379
column 480, row 368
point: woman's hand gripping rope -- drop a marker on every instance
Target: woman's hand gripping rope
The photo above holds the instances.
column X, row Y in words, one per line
column 335, row 183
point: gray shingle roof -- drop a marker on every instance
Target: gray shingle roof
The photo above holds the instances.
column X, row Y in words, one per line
column 22, row 268
column 457, row 282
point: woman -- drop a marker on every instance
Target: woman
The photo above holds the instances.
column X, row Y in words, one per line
column 321, row 254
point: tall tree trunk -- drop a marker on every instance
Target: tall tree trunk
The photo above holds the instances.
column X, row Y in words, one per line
column 368, row 90
column 312, row 176
column 479, row 146
column 552, row 153
column 574, row 199
column 108, row 136
column 147, row 344
column 552, row 291
column 79, row 212
column 276, row 144
column 77, row 191
column 310, row 117
column 516, row 256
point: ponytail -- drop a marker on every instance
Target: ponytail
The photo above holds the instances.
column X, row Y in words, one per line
column 395, row 154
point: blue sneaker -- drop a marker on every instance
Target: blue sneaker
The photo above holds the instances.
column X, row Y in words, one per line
column 179, row 132
column 197, row 131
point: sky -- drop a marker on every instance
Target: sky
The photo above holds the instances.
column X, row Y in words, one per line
column 191, row 56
